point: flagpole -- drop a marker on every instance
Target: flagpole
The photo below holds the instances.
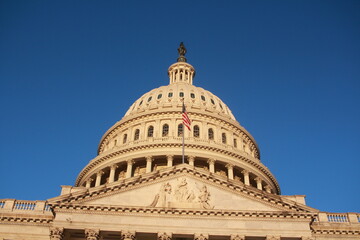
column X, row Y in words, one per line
column 183, row 144
column 183, row 137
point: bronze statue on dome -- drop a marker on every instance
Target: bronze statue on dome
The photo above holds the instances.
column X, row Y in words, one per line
column 182, row 52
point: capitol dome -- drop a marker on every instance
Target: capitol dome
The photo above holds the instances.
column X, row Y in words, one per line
column 150, row 138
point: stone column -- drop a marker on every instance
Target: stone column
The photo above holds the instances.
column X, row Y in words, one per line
column 92, row 234
column 211, row 163
column 112, row 173
column 88, row 182
column 201, row 237
column 246, row 177
column 127, row 235
column 267, row 189
column 98, row 178
column 191, row 160
column 56, row 233
column 164, row 236
column 230, row 169
column 258, row 183
column 170, row 159
column 149, row 160
column 237, row 237
column 129, row 168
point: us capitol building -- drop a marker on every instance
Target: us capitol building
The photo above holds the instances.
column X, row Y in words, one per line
column 139, row 188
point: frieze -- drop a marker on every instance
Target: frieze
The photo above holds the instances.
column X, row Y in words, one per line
column 182, row 195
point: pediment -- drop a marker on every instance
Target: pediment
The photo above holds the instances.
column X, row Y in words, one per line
column 183, row 188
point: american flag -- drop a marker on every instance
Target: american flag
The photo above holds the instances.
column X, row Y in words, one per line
column 185, row 118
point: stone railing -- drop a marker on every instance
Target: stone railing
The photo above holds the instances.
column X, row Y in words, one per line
column 12, row 205
column 326, row 217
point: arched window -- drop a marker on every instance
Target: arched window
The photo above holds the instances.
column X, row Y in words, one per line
column 196, row 131
column 192, row 95
column 211, row 134
column 125, row 138
column 180, row 130
column 223, row 138
column 137, row 134
column 159, row 96
column 181, row 94
column 165, row 130
column 150, row 131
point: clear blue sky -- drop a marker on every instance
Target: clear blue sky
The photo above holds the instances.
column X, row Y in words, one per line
column 289, row 71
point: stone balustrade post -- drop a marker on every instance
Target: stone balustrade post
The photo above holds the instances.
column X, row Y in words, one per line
column 230, row 169
column 129, row 168
column 211, row 163
column 246, row 177
column 170, row 159
column 9, row 204
column 56, row 233
column 149, row 160
column 191, row 160
column 323, row 217
column 353, row 218
column 88, row 182
column 127, row 235
column 112, row 173
column 40, row 206
column 98, row 178
column 92, row 234
column 258, row 183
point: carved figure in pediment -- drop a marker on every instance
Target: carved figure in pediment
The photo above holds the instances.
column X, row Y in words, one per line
column 163, row 196
column 204, row 198
column 182, row 193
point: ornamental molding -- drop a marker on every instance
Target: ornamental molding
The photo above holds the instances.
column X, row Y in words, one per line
column 187, row 213
column 336, row 232
column 99, row 159
column 174, row 173
column 28, row 220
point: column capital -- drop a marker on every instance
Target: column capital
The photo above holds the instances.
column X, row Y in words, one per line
column 127, row 235
column 245, row 172
column 92, row 234
column 237, row 237
column 229, row 165
column 100, row 173
column 191, row 157
column 89, row 180
column 114, row 166
column 211, row 160
column 272, row 237
column 149, row 158
column 130, row 161
column 201, row 237
column 164, row 236
column 56, row 233
column 258, row 179
column 170, row 157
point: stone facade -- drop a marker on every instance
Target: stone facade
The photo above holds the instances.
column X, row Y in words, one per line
column 140, row 186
